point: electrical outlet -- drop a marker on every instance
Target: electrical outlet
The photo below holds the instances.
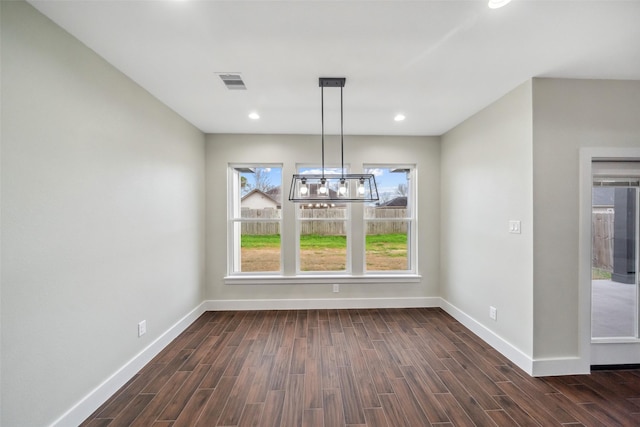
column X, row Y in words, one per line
column 142, row 328
column 336, row 287
column 493, row 313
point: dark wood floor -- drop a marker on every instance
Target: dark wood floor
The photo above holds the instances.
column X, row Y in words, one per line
column 391, row 367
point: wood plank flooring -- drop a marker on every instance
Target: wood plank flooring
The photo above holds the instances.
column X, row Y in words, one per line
column 356, row 368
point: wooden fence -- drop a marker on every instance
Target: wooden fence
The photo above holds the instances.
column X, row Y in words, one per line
column 602, row 234
column 400, row 225
column 330, row 222
column 261, row 228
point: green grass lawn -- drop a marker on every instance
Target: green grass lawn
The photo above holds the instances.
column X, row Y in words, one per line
column 315, row 241
column 375, row 242
column 260, row 241
column 389, row 245
column 600, row 274
column 325, row 253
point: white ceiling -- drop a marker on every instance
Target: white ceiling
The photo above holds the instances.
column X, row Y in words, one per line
column 438, row 62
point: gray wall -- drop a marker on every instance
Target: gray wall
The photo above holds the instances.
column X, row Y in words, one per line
column 568, row 115
column 102, row 218
column 486, row 182
column 289, row 150
column 103, row 213
column 519, row 159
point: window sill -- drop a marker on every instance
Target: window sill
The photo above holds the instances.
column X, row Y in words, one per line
column 323, row 279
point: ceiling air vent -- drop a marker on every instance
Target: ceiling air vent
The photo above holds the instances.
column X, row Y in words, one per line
column 233, row 81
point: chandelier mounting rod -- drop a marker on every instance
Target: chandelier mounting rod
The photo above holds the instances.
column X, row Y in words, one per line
column 334, row 187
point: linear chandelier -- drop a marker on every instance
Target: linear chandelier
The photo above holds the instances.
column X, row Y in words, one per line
column 340, row 187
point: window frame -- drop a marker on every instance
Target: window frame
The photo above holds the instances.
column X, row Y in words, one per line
column 329, row 170
column 411, row 219
column 235, row 220
column 356, row 224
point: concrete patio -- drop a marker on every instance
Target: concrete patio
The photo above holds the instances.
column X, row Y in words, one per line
column 612, row 309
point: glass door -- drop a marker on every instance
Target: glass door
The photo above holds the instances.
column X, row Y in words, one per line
column 615, row 261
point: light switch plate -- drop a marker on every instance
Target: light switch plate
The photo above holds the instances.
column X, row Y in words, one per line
column 514, row 227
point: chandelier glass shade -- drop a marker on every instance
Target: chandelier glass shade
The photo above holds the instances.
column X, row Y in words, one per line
column 339, row 187
column 333, row 187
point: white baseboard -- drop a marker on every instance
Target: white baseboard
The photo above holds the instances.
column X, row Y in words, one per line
column 615, row 352
column 324, row 303
column 92, row 401
column 516, row 356
column 86, row 406
column 560, row 366
column 533, row 367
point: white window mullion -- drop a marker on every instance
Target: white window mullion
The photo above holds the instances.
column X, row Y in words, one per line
column 356, row 239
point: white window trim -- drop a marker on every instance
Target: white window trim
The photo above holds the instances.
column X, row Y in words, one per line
column 412, row 243
column 318, row 277
column 233, row 219
column 321, row 279
column 348, row 271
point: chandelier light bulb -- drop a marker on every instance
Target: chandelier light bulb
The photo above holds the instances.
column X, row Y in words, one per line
column 343, row 187
column 322, row 190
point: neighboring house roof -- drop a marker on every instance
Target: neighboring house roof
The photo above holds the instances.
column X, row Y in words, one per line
column 255, row 192
column 398, row 202
column 274, row 192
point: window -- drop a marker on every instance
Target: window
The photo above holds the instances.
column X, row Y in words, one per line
column 390, row 222
column 255, row 219
column 359, row 242
column 323, row 231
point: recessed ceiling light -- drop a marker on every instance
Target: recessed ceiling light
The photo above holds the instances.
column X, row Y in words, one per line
column 495, row 4
column 399, row 117
column 254, row 116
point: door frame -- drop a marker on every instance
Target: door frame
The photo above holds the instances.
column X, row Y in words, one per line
column 611, row 352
